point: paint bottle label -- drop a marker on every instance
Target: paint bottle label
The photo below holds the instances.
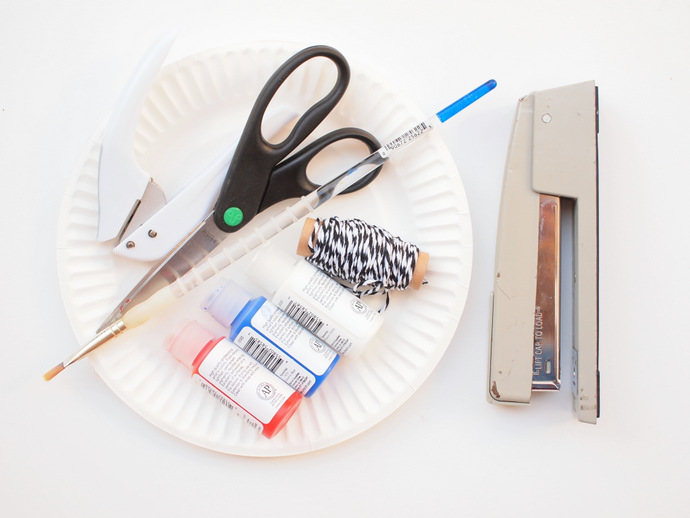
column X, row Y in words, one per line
column 229, row 404
column 302, row 345
column 326, row 309
column 274, row 360
column 234, row 375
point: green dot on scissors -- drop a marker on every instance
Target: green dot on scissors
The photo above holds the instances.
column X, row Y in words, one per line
column 233, row 216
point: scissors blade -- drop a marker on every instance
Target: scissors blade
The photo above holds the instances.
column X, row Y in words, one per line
column 193, row 249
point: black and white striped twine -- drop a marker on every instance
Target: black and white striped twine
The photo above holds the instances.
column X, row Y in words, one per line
column 370, row 259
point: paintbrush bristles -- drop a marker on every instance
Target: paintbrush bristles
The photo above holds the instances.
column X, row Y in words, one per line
column 53, row 372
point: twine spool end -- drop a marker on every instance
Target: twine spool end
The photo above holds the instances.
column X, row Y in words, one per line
column 419, row 270
column 302, row 244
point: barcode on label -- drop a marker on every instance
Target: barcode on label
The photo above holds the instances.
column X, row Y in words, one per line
column 260, row 351
column 303, row 317
column 407, row 137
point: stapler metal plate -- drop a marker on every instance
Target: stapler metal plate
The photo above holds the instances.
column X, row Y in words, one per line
column 553, row 156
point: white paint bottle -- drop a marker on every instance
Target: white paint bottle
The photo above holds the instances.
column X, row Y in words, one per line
column 316, row 301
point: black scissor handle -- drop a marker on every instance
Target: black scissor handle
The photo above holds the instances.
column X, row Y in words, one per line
column 289, row 179
column 248, row 175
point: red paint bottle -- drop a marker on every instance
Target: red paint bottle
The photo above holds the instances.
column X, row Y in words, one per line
column 241, row 383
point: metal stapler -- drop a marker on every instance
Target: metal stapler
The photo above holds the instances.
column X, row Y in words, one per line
column 552, row 163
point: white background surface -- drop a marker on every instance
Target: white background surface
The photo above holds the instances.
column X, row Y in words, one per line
column 70, row 448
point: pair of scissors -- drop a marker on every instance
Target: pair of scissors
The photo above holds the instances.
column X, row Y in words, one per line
column 261, row 173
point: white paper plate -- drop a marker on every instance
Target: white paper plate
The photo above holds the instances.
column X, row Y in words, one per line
column 195, row 107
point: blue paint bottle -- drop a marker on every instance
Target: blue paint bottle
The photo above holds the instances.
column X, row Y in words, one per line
column 271, row 337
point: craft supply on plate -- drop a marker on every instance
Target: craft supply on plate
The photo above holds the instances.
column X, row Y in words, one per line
column 272, row 338
column 156, row 297
column 369, row 258
column 315, row 300
column 123, row 187
column 241, row 383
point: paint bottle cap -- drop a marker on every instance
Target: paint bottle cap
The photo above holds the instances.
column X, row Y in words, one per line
column 270, row 268
column 225, row 303
column 187, row 342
